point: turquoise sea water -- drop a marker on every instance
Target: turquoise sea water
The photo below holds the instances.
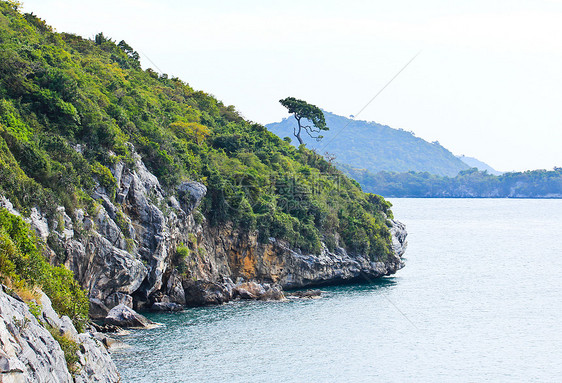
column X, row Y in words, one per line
column 479, row 300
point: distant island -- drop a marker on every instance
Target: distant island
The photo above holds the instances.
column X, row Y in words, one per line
column 395, row 163
column 469, row 183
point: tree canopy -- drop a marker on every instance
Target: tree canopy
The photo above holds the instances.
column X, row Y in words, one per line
column 304, row 111
column 70, row 108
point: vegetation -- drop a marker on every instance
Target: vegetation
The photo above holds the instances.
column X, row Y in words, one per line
column 24, row 268
column 181, row 256
column 303, row 111
column 69, row 107
column 376, row 147
column 70, row 349
column 468, row 183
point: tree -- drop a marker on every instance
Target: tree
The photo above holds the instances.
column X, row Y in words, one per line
column 303, row 110
column 191, row 131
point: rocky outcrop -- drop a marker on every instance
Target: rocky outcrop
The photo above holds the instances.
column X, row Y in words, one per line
column 124, row 252
column 29, row 353
column 398, row 234
column 256, row 291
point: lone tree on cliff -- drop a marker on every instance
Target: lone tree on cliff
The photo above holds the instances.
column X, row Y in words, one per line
column 301, row 109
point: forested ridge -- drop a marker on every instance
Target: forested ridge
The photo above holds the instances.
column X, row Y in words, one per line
column 71, row 107
column 468, row 183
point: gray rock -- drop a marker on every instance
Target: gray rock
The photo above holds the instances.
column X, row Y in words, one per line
column 203, row 293
column 39, row 222
column 108, row 341
column 95, row 362
column 399, row 234
column 250, row 290
column 6, row 204
column 118, row 298
column 124, row 316
column 104, row 270
column 107, row 227
column 174, row 288
column 273, row 293
column 98, row 310
column 29, row 352
column 48, row 314
column 190, row 194
column 67, row 329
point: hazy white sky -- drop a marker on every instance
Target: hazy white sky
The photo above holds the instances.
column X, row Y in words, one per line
column 488, row 82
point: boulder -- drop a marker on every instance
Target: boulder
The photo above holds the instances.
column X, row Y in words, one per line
column 250, row 290
column 108, row 341
column 174, row 288
column 273, row 293
column 124, row 316
column 203, row 293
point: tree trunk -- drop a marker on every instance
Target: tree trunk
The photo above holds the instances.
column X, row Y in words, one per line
column 298, row 135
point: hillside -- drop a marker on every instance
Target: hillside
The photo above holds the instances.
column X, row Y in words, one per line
column 156, row 195
column 482, row 166
column 375, row 147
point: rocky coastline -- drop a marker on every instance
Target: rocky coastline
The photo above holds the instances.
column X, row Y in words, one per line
column 124, row 254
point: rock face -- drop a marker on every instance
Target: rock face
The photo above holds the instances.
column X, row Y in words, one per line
column 124, row 252
column 29, row 353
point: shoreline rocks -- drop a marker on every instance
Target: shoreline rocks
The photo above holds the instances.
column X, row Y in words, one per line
column 124, row 316
column 30, row 353
column 125, row 253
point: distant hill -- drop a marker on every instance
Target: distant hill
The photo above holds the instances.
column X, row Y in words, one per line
column 474, row 163
column 375, row 147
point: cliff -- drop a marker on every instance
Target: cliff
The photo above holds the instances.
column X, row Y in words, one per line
column 134, row 262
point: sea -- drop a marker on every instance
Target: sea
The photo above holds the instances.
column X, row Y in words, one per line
column 479, row 300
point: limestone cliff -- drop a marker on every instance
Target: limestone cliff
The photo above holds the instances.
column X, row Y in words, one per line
column 124, row 252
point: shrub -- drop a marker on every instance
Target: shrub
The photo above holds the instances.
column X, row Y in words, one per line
column 23, row 266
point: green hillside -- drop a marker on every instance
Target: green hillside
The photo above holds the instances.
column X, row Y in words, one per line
column 375, row 147
column 70, row 107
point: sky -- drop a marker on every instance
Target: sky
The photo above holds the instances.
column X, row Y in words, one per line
column 487, row 82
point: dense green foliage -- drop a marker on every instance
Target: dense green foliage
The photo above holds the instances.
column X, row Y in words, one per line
column 23, row 266
column 468, row 183
column 69, row 107
column 303, row 113
column 375, row 147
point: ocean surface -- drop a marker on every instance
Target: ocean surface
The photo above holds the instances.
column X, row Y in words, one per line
column 479, row 300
